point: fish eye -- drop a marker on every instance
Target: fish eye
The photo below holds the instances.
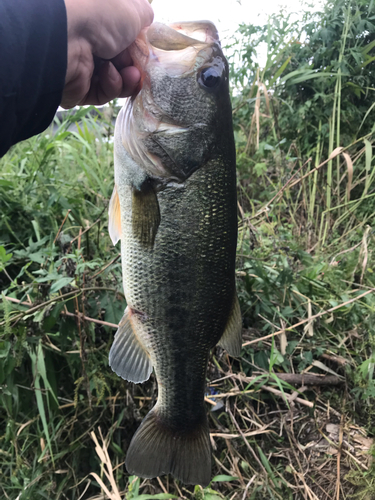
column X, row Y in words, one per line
column 209, row 78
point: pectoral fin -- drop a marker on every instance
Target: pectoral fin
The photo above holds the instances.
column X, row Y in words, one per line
column 145, row 214
column 231, row 339
column 114, row 217
column 128, row 356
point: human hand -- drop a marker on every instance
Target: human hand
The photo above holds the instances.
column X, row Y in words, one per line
column 99, row 66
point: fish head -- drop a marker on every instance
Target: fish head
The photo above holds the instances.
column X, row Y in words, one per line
column 180, row 116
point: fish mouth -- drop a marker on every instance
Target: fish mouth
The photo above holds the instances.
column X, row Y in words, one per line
column 179, row 47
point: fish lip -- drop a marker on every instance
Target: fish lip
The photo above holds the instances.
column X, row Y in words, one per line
column 204, row 29
column 174, row 47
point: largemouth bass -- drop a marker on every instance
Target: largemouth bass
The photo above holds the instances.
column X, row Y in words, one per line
column 174, row 209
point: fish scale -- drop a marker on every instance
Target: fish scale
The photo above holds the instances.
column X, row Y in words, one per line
column 178, row 232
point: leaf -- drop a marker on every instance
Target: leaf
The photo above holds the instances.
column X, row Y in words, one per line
column 36, row 257
column 368, row 61
column 368, row 148
column 310, row 77
column 114, row 308
column 133, row 488
column 260, row 168
column 267, row 465
column 4, row 348
column 349, row 164
column 280, row 71
column 60, row 284
column 364, row 118
column 223, row 477
column 43, row 372
column 335, row 152
column 4, row 257
column 49, row 277
column 276, row 358
column 36, row 364
column 368, row 47
column 322, row 366
column 6, row 183
column 159, row 496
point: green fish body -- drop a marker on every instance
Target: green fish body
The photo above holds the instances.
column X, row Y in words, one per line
column 174, row 208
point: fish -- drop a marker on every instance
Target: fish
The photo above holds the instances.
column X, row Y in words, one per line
column 174, row 208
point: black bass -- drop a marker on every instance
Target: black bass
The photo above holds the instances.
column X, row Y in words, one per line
column 174, row 208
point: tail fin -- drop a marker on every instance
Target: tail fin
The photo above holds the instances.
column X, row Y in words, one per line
column 156, row 449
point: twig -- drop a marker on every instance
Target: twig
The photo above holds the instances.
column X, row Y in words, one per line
column 7, row 275
column 102, row 452
column 162, row 485
column 287, row 397
column 227, row 394
column 78, row 291
column 67, row 313
column 334, row 259
column 308, row 379
column 16, row 301
column 309, row 319
column 246, row 441
column 338, row 483
column 234, row 462
column 248, row 486
column 92, row 320
column 284, row 395
column 335, row 359
column 40, row 306
column 62, row 225
column 83, row 232
column 244, row 434
column 106, row 266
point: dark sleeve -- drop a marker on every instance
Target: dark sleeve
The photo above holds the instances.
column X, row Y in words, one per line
column 33, row 59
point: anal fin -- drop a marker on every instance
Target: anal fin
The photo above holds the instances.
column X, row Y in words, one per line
column 145, row 214
column 231, row 339
column 128, row 356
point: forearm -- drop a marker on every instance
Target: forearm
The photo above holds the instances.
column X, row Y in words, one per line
column 33, row 48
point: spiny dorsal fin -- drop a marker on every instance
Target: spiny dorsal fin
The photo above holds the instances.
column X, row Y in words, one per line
column 145, row 214
column 114, row 217
column 231, row 339
column 128, row 357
